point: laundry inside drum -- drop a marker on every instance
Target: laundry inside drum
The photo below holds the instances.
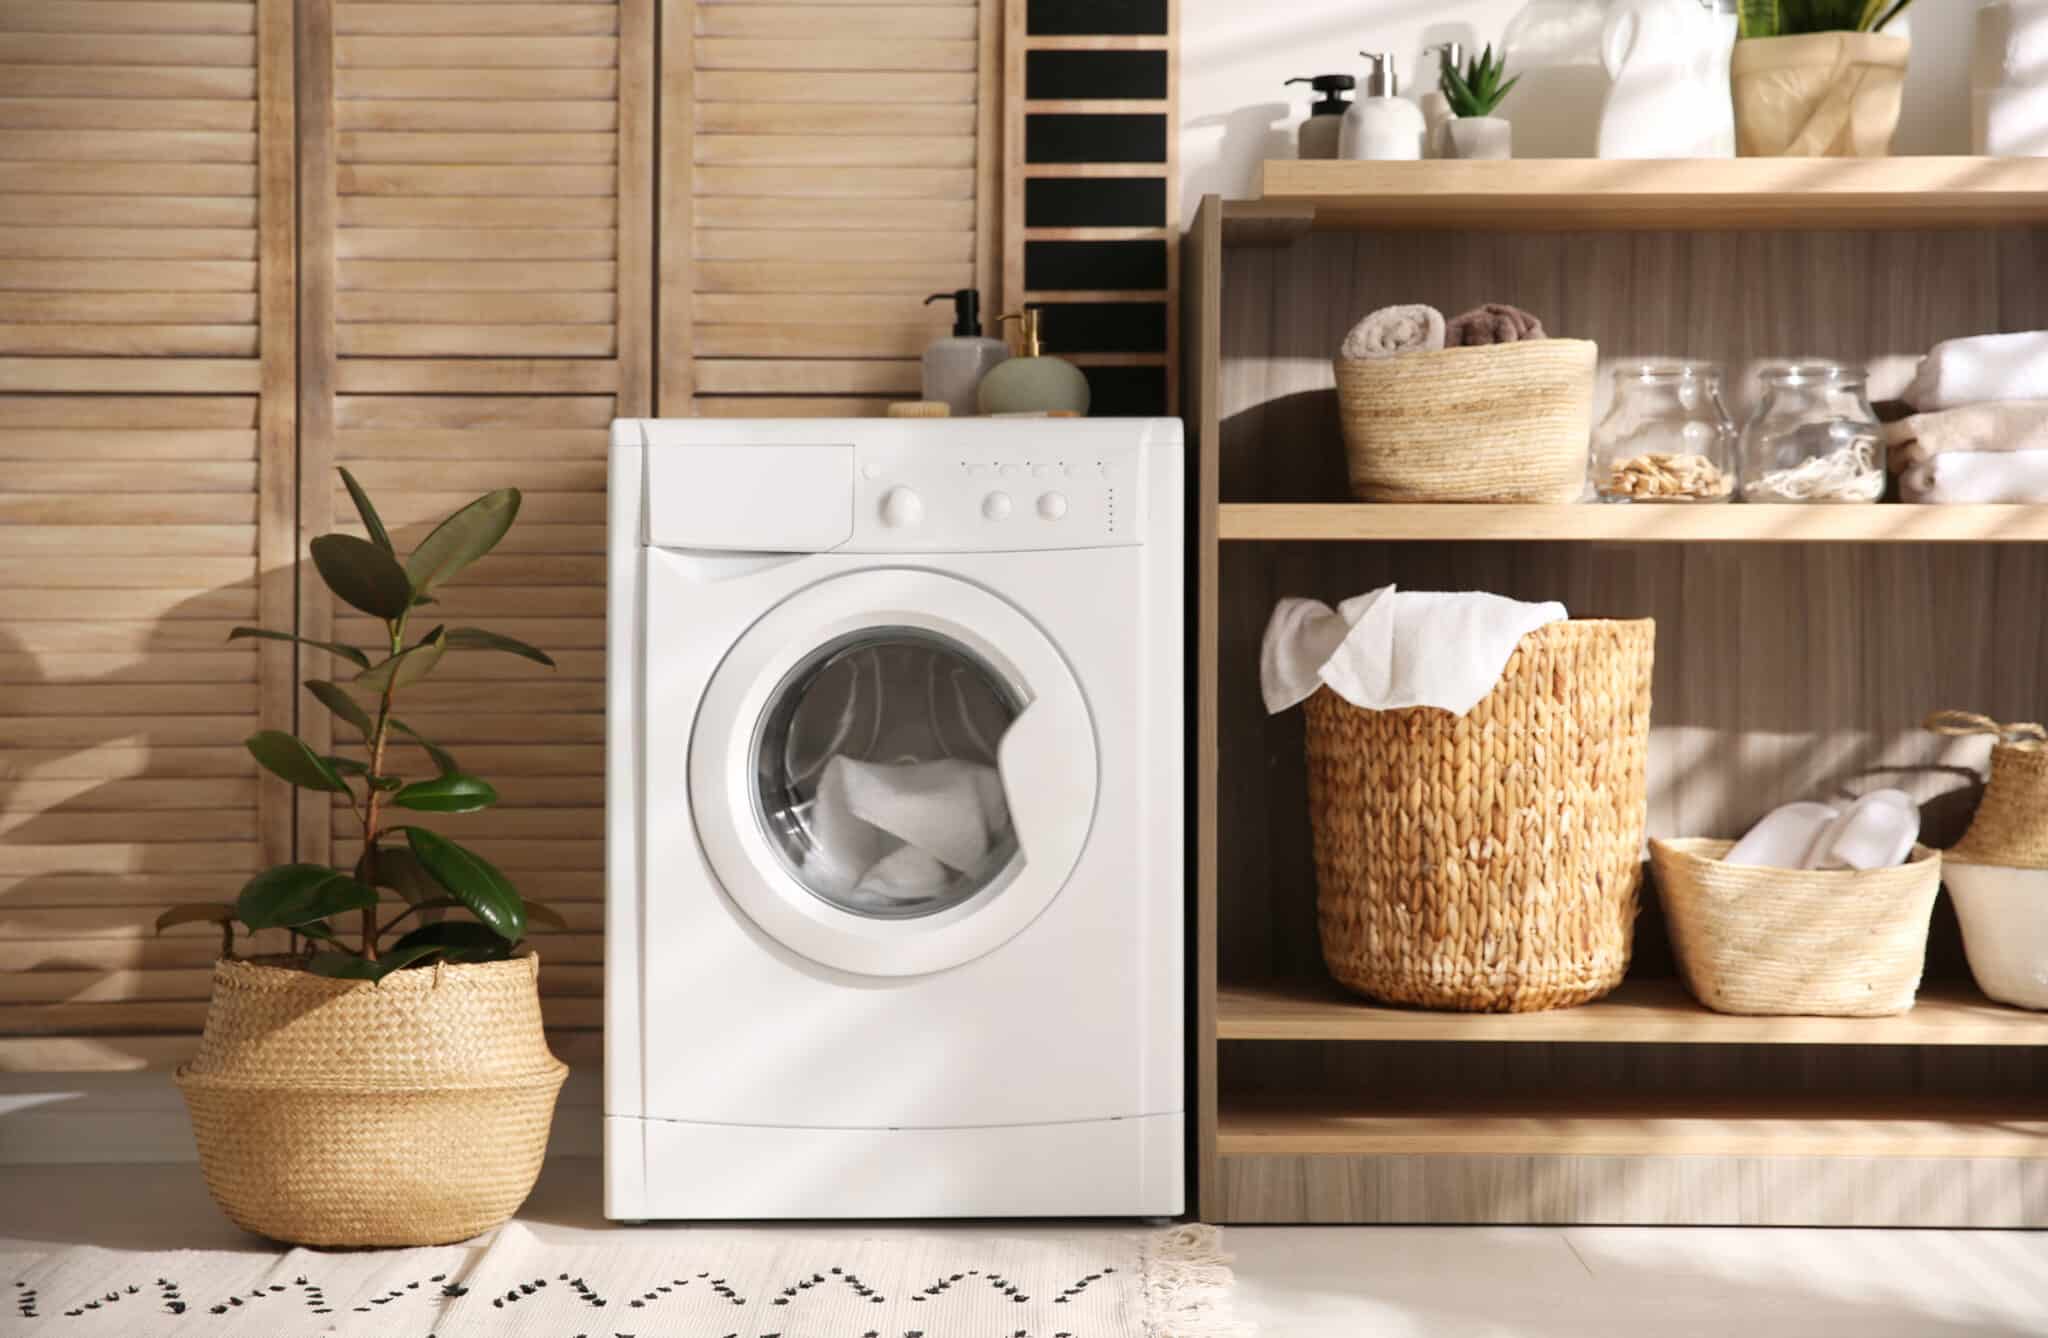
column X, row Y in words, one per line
column 877, row 768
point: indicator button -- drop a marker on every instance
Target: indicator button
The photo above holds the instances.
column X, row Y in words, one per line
column 901, row 508
column 1052, row 506
column 996, row 506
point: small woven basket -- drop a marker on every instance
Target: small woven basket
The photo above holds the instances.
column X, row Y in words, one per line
column 1500, row 423
column 1773, row 942
column 2010, row 828
column 412, row 1111
column 1489, row 862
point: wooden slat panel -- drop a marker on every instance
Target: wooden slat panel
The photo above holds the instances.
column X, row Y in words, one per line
column 836, row 247
column 474, row 211
column 806, row 22
column 126, row 49
column 834, row 277
column 837, row 151
column 431, row 20
column 127, row 16
column 933, row 220
column 475, row 308
column 410, row 146
column 832, row 119
column 724, row 53
column 478, row 276
column 495, row 115
column 113, row 80
column 760, row 376
column 129, row 340
column 126, row 114
column 487, row 84
column 501, row 244
column 548, row 53
column 893, row 183
column 116, row 308
column 911, row 85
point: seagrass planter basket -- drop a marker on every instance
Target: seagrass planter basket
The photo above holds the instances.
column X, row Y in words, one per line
column 1490, row 862
column 1830, row 943
column 410, row 1111
column 1500, row 423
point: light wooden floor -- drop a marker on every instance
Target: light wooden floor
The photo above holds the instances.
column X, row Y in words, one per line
column 1339, row 1282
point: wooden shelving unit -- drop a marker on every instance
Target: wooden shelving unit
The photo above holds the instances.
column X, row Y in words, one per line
column 1797, row 649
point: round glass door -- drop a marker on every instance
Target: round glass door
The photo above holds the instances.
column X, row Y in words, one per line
column 878, row 785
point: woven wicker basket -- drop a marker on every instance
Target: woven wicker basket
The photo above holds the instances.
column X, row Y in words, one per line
column 1501, row 423
column 1490, row 862
column 1840, row 943
column 413, row 1111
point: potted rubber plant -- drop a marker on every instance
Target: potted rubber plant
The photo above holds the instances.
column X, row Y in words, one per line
column 1817, row 78
column 384, row 1079
column 1473, row 94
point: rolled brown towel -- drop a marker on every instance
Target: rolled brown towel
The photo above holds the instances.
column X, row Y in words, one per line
column 1494, row 323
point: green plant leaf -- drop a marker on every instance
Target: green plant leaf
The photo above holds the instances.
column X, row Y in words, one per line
column 336, row 699
column 472, row 880
column 1757, row 18
column 348, row 966
column 196, row 912
column 349, row 653
column 363, row 575
column 295, row 894
column 397, row 868
column 407, row 667
column 462, row 538
column 454, row 793
column 542, row 913
column 346, row 766
column 476, row 638
column 387, row 784
column 441, row 757
column 462, row 940
column 283, row 755
column 372, row 523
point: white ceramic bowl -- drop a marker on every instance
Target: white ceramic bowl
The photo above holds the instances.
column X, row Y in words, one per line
column 2005, row 929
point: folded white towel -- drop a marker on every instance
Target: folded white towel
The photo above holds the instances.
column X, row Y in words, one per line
column 1386, row 650
column 1957, row 372
column 1392, row 331
column 897, row 829
column 1978, row 476
column 2011, row 425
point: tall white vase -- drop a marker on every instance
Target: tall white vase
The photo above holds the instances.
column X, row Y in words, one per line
column 1667, row 60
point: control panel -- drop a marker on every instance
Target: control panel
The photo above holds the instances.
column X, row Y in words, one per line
column 916, row 496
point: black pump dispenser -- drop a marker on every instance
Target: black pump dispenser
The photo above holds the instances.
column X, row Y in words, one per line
column 966, row 311
column 1333, row 87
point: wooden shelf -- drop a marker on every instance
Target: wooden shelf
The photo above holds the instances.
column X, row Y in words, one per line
column 1649, row 1012
column 1633, row 523
column 1693, row 194
column 1643, row 1126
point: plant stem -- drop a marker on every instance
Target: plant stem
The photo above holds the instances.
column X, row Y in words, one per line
column 373, row 810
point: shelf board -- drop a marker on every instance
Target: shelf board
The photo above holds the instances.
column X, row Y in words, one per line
column 1640, row 1012
column 1690, row 194
column 1634, row 1126
column 1631, row 523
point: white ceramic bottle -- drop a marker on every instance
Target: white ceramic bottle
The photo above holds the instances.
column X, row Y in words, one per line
column 954, row 366
column 1381, row 126
column 1436, row 108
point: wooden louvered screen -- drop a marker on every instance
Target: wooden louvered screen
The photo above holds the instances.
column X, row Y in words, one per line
column 477, row 203
column 825, row 168
column 146, row 366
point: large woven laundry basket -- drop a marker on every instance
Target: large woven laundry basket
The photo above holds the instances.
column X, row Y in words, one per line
column 410, row 1111
column 1490, row 862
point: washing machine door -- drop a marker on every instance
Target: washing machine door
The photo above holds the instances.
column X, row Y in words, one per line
column 893, row 772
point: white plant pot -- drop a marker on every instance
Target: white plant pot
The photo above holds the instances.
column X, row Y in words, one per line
column 1479, row 137
column 2004, row 913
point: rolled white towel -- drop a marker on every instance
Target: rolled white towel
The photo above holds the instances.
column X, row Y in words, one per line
column 2011, row 425
column 1392, row 331
column 1957, row 372
column 1978, row 476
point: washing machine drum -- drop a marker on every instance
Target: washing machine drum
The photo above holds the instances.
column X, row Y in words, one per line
column 897, row 790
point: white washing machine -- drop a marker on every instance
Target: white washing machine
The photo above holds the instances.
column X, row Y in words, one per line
column 894, row 920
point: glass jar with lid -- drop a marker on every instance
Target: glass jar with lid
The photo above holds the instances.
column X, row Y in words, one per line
column 1813, row 437
column 1667, row 437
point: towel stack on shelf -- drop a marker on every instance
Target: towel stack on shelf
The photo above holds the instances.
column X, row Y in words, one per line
column 1979, row 432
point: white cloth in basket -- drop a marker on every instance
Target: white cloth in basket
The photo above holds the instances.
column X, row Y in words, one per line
column 1386, row 650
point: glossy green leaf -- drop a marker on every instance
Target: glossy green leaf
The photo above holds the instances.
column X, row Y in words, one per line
column 373, row 524
column 539, row 912
column 441, row 757
column 346, row 766
column 447, row 794
column 462, row 940
column 476, row 638
column 283, row 755
column 362, row 575
column 336, row 699
column 196, row 912
column 348, row 966
column 462, row 538
column 472, row 880
column 349, row 653
column 296, row 894
column 397, row 868
column 407, row 667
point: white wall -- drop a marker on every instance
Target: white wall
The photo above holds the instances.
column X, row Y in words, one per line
column 1236, row 55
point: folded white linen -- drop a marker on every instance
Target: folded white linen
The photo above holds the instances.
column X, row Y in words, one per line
column 1955, row 477
column 2009, row 425
column 1957, row 372
column 1392, row 331
column 908, row 874
column 1386, row 650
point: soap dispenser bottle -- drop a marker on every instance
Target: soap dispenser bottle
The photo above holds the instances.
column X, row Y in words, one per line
column 954, row 366
column 1436, row 107
column 1380, row 125
column 1325, row 123
column 1031, row 381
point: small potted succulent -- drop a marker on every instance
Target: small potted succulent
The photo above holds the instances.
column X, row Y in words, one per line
column 1817, row 78
column 1473, row 94
column 378, row 1082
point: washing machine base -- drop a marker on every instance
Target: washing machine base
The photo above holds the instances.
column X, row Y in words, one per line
column 1095, row 1168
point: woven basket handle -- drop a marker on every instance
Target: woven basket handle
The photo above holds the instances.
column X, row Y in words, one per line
column 1958, row 724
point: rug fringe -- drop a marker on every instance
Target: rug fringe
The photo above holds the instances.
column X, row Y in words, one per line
column 1187, row 1285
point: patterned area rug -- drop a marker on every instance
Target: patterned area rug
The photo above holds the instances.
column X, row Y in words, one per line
column 703, row 1284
